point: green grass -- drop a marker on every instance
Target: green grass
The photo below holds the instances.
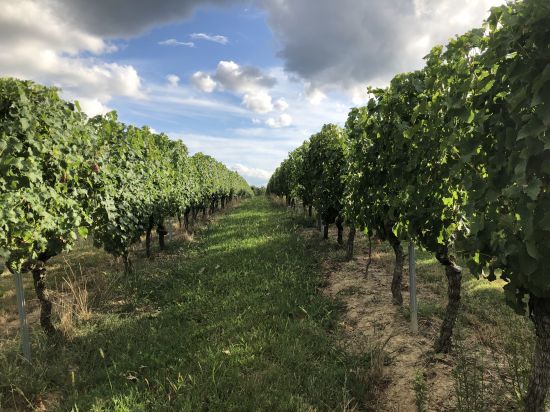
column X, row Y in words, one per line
column 230, row 322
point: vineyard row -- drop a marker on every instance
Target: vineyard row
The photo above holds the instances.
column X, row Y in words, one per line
column 456, row 158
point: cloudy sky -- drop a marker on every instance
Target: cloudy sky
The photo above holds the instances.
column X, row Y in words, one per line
column 244, row 81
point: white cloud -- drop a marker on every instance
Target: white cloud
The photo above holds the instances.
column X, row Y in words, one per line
column 281, row 104
column 93, row 107
column 213, row 38
column 314, row 95
column 251, row 171
column 283, row 120
column 82, row 78
column 247, row 81
column 345, row 45
column 45, row 53
column 203, row 82
column 180, row 105
column 174, row 42
column 250, row 142
column 258, row 102
column 173, row 80
column 126, row 18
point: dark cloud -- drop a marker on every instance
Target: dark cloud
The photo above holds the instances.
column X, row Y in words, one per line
column 347, row 40
column 125, row 18
column 346, row 43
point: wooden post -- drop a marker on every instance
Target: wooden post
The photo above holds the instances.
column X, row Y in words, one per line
column 412, row 288
column 25, row 337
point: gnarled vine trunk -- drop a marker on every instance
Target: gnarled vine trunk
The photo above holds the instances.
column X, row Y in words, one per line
column 351, row 241
column 454, row 282
column 148, row 231
column 309, row 210
column 539, row 381
column 162, row 232
column 369, row 258
column 186, row 221
column 127, row 262
column 340, row 226
column 38, row 270
column 325, row 231
column 397, row 279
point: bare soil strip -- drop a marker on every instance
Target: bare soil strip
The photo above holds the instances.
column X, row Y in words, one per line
column 371, row 320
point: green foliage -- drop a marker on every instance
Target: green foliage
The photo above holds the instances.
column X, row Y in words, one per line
column 258, row 190
column 279, row 183
column 301, row 183
column 62, row 175
column 420, row 392
column 325, row 165
column 459, row 150
column 124, row 193
column 314, row 173
column 215, row 181
column 381, row 157
column 44, row 172
column 508, row 158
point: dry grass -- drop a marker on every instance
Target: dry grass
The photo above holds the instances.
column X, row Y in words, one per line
column 81, row 281
column 72, row 300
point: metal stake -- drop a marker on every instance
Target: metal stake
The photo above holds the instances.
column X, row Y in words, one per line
column 412, row 288
column 25, row 336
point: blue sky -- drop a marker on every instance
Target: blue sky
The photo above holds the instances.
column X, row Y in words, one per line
column 250, row 42
column 244, row 81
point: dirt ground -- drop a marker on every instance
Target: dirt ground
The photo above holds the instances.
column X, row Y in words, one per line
column 370, row 320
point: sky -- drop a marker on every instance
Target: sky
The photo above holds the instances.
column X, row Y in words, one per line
column 243, row 81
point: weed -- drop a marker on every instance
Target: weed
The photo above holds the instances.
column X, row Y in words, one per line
column 420, row 392
column 430, row 309
column 468, row 374
column 518, row 350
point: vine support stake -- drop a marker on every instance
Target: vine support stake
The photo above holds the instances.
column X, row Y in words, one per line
column 25, row 336
column 412, row 288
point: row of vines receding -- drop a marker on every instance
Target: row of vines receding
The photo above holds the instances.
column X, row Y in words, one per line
column 64, row 176
column 456, row 158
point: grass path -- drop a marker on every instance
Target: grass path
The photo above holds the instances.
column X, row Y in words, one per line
column 233, row 321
